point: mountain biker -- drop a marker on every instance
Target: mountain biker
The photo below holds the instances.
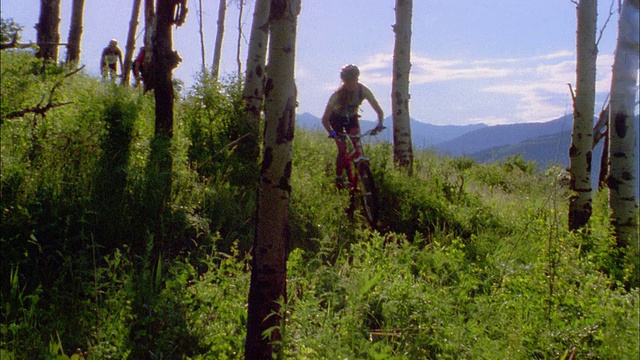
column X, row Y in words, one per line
column 341, row 115
column 138, row 67
column 109, row 60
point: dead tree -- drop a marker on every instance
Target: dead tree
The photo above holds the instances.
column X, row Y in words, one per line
column 131, row 42
column 75, row 32
column 48, row 36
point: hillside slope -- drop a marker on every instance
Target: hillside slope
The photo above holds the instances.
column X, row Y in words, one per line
column 500, row 135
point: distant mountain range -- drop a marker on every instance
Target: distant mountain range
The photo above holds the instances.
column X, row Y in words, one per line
column 477, row 140
column 423, row 135
column 502, row 135
column 545, row 143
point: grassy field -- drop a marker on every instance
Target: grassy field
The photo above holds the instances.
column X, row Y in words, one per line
column 469, row 261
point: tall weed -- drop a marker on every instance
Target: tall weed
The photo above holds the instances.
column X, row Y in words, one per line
column 468, row 261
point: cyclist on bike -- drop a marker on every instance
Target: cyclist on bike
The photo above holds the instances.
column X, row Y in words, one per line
column 341, row 115
column 109, row 60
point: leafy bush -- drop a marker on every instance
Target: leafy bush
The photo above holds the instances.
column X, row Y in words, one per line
column 9, row 30
column 469, row 260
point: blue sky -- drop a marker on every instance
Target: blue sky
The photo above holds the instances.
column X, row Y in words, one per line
column 489, row 61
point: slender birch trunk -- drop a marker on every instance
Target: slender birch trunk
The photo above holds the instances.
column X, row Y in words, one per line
column 268, row 272
column 623, row 165
column 580, row 152
column 131, row 42
column 75, row 32
column 217, row 50
column 149, row 31
column 48, row 36
column 402, row 146
column 239, row 41
column 253, row 90
column 203, row 52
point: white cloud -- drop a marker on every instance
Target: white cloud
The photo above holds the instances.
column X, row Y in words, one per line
column 535, row 85
column 301, row 71
column 546, row 94
column 490, row 120
column 529, row 89
column 603, row 76
column 379, row 61
column 425, row 70
column 552, row 56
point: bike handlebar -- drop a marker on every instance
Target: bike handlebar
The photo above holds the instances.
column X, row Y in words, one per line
column 370, row 132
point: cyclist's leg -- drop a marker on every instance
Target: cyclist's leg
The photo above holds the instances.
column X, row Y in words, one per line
column 341, row 161
column 354, row 129
column 113, row 71
column 338, row 124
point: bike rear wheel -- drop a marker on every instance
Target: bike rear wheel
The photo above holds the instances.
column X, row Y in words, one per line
column 368, row 193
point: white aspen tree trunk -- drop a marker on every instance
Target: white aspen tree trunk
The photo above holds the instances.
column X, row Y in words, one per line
column 402, row 146
column 131, row 42
column 75, row 32
column 239, row 41
column 253, row 90
column 217, row 50
column 203, row 52
column 269, row 252
column 623, row 165
column 580, row 152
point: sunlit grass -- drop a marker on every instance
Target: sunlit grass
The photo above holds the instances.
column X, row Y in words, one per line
column 469, row 260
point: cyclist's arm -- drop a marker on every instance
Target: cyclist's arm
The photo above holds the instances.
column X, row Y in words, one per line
column 326, row 117
column 376, row 107
column 103, row 60
column 120, row 58
column 368, row 95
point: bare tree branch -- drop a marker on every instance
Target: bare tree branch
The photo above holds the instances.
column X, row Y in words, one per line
column 573, row 95
column 14, row 44
column 42, row 110
column 598, row 132
column 605, row 23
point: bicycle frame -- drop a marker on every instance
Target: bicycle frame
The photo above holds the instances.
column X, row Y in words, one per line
column 361, row 185
column 354, row 154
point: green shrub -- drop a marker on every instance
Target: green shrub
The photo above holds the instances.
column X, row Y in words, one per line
column 469, row 260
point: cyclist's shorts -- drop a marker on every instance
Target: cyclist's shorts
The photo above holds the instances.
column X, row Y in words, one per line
column 343, row 123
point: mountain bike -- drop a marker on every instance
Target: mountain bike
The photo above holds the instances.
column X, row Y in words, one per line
column 359, row 180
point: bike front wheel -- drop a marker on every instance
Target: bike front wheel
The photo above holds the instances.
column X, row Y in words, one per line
column 368, row 193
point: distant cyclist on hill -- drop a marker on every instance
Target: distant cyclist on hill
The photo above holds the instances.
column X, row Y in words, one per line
column 138, row 67
column 341, row 114
column 109, row 60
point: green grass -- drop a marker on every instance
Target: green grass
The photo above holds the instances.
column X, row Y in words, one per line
column 469, row 260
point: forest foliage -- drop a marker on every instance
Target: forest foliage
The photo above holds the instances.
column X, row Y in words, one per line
column 469, row 261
